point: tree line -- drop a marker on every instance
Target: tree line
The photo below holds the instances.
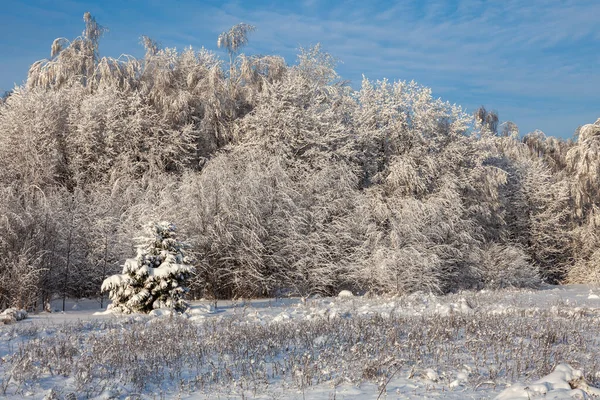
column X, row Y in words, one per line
column 282, row 178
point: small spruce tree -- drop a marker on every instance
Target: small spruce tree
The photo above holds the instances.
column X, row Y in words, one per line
column 155, row 278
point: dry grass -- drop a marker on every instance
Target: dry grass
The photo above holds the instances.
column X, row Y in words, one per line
column 144, row 355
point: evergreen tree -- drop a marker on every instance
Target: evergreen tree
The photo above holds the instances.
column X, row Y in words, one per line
column 156, row 277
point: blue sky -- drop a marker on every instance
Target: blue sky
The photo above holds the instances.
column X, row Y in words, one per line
column 536, row 62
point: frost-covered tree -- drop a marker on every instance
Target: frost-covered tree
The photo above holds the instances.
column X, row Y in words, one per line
column 504, row 266
column 419, row 171
column 20, row 276
column 586, row 240
column 27, row 237
column 583, row 161
column 70, row 252
column 284, row 178
column 235, row 38
column 529, row 209
column 583, row 167
column 486, row 120
column 70, row 63
column 156, row 278
column 509, row 129
column 548, row 238
column 552, row 151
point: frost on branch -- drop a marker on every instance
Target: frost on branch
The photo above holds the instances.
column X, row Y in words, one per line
column 155, row 278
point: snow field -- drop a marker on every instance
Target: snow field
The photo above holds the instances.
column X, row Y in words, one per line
column 509, row 344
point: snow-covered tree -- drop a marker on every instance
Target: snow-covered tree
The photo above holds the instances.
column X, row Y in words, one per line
column 583, row 161
column 505, row 266
column 71, row 63
column 586, row 239
column 235, row 38
column 156, row 278
column 283, row 177
column 486, row 120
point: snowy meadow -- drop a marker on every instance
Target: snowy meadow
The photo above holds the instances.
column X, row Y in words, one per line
column 479, row 345
column 349, row 243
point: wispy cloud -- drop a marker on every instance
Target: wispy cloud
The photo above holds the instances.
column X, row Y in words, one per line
column 506, row 55
column 540, row 51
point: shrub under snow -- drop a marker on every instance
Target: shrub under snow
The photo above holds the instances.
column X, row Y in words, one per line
column 155, row 278
column 11, row 315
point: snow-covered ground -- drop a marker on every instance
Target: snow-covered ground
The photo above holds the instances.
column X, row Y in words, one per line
column 474, row 345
